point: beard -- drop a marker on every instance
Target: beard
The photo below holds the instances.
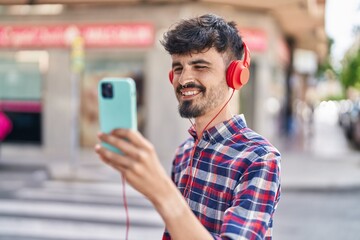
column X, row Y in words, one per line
column 207, row 100
column 186, row 110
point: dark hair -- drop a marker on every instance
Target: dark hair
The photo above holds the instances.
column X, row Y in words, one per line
column 202, row 33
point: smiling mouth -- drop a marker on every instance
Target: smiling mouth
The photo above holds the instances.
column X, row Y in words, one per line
column 190, row 90
column 189, row 93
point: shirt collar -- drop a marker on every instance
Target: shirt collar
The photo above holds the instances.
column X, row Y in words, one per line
column 222, row 130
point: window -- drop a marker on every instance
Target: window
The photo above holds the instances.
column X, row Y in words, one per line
column 20, row 97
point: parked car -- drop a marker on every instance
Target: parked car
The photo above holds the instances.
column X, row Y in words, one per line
column 345, row 109
column 355, row 122
column 349, row 120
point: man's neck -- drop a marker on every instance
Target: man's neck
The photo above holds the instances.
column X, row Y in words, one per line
column 203, row 121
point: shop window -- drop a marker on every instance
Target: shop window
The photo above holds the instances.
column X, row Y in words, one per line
column 20, row 99
column 96, row 69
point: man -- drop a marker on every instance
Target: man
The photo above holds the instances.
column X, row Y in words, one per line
column 225, row 177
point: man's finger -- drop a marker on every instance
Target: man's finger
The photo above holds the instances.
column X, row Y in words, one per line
column 113, row 159
column 133, row 136
column 123, row 145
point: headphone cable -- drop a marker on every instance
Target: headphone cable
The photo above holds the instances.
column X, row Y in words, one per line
column 187, row 187
column 127, row 216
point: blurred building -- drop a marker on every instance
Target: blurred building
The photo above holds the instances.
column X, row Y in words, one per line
column 53, row 55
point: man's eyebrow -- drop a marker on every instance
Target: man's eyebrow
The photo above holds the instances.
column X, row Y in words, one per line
column 176, row 64
column 193, row 62
column 199, row 61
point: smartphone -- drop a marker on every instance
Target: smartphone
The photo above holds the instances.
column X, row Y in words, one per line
column 117, row 106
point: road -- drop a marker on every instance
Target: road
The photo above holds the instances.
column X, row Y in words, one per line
column 35, row 208
column 320, row 199
column 318, row 215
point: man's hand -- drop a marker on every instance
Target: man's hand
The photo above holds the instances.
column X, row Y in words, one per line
column 139, row 163
column 141, row 168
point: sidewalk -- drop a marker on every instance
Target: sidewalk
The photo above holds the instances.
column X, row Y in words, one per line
column 320, row 157
column 306, row 172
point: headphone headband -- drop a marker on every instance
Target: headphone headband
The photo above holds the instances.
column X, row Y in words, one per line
column 246, row 58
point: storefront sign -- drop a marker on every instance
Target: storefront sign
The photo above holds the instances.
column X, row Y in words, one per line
column 20, row 106
column 94, row 35
column 255, row 39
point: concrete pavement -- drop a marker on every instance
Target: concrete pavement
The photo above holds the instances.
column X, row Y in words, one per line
column 319, row 156
column 305, row 172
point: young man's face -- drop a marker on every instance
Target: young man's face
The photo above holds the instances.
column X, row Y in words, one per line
column 199, row 82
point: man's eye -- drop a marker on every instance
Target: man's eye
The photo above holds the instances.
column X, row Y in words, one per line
column 177, row 70
column 200, row 67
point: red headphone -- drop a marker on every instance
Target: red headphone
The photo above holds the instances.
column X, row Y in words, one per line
column 237, row 74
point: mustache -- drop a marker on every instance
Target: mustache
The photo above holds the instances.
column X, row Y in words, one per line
column 190, row 85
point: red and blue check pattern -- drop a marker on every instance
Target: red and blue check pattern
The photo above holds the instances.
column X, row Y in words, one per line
column 233, row 185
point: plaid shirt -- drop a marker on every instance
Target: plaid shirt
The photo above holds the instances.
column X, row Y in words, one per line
column 233, row 186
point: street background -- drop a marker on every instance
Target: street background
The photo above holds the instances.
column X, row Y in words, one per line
column 53, row 186
column 320, row 195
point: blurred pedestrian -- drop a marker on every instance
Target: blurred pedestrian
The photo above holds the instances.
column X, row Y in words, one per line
column 225, row 181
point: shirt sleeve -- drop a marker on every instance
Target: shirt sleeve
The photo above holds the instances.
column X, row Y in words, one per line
column 256, row 196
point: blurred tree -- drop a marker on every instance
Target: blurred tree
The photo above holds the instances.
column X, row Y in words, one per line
column 350, row 74
column 326, row 65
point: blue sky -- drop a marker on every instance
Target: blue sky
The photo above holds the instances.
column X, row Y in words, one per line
column 341, row 16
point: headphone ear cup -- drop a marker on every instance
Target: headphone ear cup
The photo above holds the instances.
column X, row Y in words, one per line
column 230, row 74
column 245, row 75
column 171, row 76
column 237, row 75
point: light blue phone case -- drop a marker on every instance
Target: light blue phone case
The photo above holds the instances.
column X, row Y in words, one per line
column 118, row 111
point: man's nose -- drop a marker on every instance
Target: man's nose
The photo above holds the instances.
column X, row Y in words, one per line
column 186, row 76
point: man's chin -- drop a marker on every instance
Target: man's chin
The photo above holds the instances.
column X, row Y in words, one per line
column 182, row 115
column 187, row 112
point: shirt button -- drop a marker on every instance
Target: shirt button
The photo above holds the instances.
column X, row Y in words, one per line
column 197, row 154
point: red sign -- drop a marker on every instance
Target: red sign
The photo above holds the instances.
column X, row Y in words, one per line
column 94, row 35
column 255, row 39
column 21, row 106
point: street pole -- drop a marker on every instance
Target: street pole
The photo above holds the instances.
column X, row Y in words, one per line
column 77, row 65
column 288, row 113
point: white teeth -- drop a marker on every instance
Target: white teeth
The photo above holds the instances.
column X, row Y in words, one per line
column 190, row 93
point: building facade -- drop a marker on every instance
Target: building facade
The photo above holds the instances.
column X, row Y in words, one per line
column 50, row 65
